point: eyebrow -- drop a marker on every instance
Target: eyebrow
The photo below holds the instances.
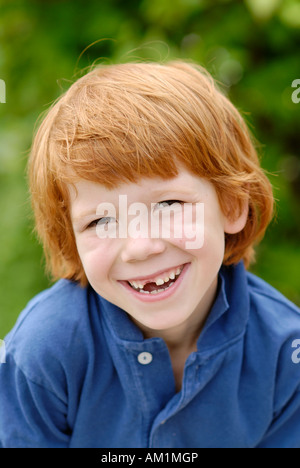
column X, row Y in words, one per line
column 171, row 189
column 157, row 192
column 84, row 215
column 170, row 185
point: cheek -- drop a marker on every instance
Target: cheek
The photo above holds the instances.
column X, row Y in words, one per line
column 187, row 227
column 97, row 257
column 214, row 239
column 203, row 237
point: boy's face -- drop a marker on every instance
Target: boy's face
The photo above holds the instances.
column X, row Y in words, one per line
column 125, row 247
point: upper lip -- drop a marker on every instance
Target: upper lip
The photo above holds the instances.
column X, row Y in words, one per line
column 154, row 275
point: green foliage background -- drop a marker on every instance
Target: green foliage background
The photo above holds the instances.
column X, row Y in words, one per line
column 251, row 46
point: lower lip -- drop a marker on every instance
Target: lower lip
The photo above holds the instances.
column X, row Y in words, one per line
column 158, row 296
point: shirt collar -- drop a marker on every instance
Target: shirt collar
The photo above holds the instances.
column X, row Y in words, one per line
column 226, row 321
column 229, row 315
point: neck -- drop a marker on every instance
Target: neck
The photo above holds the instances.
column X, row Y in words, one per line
column 184, row 336
column 177, row 338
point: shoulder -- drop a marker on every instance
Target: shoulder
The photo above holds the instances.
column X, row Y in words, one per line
column 56, row 311
column 273, row 332
column 52, row 329
column 270, row 306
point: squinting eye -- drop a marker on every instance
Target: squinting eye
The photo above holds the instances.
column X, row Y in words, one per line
column 164, row 203
column 101, row 222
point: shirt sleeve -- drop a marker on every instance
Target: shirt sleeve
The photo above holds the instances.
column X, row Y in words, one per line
column 284, row 431
column 31, row 416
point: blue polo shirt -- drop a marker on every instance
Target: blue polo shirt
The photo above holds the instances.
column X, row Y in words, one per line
column 78, row 373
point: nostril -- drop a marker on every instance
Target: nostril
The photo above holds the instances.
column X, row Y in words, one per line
column 142, row 249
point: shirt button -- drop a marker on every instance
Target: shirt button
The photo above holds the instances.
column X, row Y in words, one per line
column 145, row 358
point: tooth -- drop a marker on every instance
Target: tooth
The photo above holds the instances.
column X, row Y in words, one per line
column 154, row 292
column 144, row 292
column 159, row 282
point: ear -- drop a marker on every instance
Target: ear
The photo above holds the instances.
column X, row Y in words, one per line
column 235, row 223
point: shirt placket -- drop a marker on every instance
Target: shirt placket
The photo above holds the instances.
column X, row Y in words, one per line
column 159, row 436
column 153, row 379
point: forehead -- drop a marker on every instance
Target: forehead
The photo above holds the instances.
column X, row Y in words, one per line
column 184, row 182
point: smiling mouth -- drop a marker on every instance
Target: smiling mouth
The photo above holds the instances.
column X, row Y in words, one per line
column 159, row 284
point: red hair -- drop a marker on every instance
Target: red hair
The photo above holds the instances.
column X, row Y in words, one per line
column 119, row 123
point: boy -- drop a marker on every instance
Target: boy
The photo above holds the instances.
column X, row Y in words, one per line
column 152, row 337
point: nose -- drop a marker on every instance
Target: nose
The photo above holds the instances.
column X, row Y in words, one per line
column 141, row 249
